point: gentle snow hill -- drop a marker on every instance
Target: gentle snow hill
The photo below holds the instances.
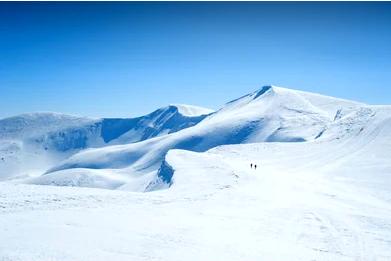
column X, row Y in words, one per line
column 36, row 141
column 271, row 114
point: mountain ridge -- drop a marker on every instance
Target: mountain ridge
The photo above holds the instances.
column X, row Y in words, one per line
column 270, row 114
column 113, row 151
column 49, row 137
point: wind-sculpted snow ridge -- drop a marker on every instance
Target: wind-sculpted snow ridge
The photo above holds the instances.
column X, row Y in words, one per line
column 163, row 178
column 271, row 114
column 184, row 171
column 191, row 110
column 31, row 143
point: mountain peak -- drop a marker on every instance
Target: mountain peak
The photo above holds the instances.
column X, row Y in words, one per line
column 190, row 110
column 263, row 90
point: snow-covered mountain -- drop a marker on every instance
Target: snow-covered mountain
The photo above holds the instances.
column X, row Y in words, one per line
column 37, row 140
column 166, row 120
column 270, row 114
column 321, row 189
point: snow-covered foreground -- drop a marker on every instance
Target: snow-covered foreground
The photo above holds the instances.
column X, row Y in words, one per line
column 323, row 200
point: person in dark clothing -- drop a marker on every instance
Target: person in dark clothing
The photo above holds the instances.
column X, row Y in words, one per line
column 255, row 166
column 251, row 165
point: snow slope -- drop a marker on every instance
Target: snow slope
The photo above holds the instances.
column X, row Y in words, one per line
column 31, row 143
column 271, row 114
column 327, row 199
column 325, row 196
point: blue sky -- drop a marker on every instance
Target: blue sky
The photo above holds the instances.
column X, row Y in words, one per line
column 126, row 59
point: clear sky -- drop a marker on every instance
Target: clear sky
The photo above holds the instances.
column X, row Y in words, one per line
column 127, row 59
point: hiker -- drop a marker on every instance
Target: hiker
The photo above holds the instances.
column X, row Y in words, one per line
column 251, row 165
column 255, row 166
